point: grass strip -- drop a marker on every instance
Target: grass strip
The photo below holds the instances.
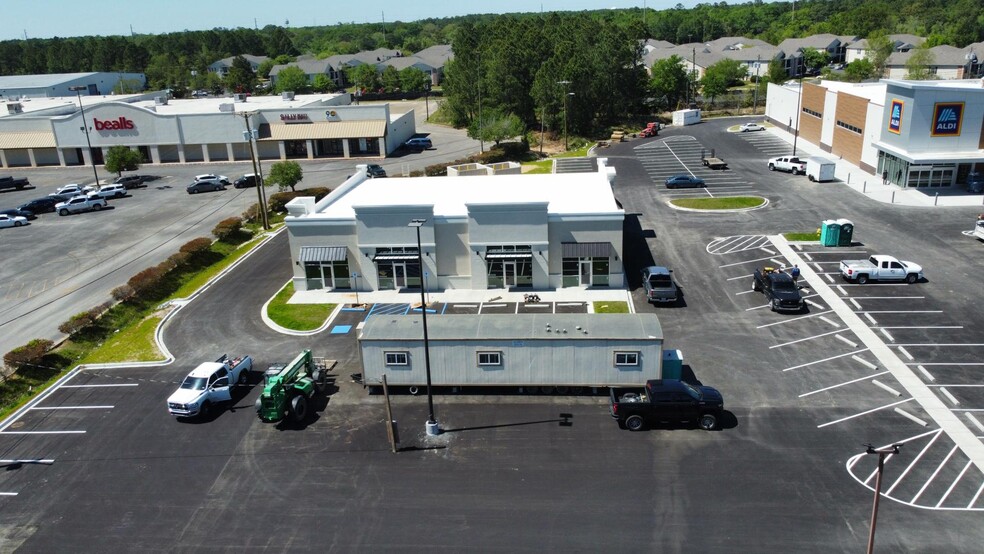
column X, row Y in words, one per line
column 609, row 307
column 297, row 317
column 726, row 203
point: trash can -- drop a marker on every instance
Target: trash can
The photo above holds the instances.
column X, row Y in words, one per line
column 846, row 232
column 672, row 364
column 829, row 232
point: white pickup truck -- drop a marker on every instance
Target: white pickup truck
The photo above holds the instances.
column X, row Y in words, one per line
column 80, row 204
column 790, row 164
column 880, row 268
column 979, row 228
column 209, row 384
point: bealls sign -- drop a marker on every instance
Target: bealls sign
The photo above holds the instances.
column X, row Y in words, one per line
column 947, row 118
column 895, row 117
column 121, row 124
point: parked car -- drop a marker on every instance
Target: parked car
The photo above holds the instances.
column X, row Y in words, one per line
column 81, row 204
column 211, row 177
column 780, row 289
column 205, row 185
column 130, row 181
column 246, row 181
column 74, row 189
column 11, row 183
column 40, row 205
column 745, row 127
column 678, row 181
column 109, row 191
column 975, row 182
column 658, row 285
column 17, row 212
column 634, row 408
column 375, row 170
column 419, row 143
column 12, row 220
column 881, row 268
column 64, row 196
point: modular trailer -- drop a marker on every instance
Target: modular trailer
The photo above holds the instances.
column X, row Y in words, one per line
column 513, row 350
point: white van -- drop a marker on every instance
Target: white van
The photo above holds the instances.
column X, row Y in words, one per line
column 820, row 170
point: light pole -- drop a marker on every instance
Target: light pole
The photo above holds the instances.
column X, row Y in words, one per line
column 249, row 135
column 85, row 127
column 355, row 279
column 758, row 65
column 481, row 141
column 882, row 452
column 799, row 98
column 433, row 428
column 565, row 83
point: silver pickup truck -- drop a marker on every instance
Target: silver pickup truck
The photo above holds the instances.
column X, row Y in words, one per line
column 880, row 268
column 80, row 204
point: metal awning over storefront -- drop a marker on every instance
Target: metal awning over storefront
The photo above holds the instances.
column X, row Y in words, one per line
column 323, row 130
column 316, row 254
column 586, row 249
column 33, row 139
column 395, row 258
column 508, row 255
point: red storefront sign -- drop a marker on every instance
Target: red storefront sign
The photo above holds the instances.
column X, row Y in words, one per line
column 121, row 124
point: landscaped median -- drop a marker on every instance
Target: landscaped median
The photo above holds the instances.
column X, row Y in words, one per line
column 297, row 317
column 721, row 203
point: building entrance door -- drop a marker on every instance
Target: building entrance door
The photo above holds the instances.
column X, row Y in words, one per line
column 585, row 272
column 509, row 273
column 400, row 275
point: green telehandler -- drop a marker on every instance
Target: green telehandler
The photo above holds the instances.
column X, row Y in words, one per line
column 288, row 388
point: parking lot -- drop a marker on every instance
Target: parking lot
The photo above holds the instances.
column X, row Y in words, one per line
column 804, row 393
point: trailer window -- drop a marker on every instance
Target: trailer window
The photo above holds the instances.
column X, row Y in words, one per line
column 626, row 358
column 396, row 358
column 489, row 358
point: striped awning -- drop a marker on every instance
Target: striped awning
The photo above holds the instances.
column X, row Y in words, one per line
column 325, row 130
column 586, row 249
column 396, row 257
column 25, row 139
column 315, row 254
column 499, row 255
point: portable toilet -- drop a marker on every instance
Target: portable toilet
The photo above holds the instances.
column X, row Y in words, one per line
column 846, row 232
column 829, row 232
column 672, row 364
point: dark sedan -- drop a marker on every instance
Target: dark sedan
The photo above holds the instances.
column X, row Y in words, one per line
column 40, row 205
column 14, row 212
column 678, row 181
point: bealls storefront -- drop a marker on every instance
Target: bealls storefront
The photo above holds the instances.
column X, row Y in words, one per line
column 213, row 130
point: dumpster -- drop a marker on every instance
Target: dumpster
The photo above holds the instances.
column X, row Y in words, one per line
column 829, row 232
column 846, row 232
column 672, row 364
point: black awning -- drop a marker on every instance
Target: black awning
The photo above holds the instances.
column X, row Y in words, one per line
column 508, row 255
column 395, row 258
column 315, row 254
column 587, row 249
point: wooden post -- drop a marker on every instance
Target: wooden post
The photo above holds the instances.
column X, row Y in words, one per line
column 390, row 424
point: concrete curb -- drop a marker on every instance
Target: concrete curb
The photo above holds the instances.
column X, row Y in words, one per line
column 285, row 331
column 736, row 210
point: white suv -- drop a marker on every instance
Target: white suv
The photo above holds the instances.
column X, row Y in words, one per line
column 109, row 191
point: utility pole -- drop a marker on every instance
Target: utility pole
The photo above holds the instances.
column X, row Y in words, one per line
column 755, row 101
column 694, row 76
column 260, row 196
column 543, row 117
column 481, row 141
column 796, row 131
column 565, row 83
column 882, row 452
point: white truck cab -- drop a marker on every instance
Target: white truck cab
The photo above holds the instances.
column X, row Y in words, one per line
column 979, row 228
column 208, row 384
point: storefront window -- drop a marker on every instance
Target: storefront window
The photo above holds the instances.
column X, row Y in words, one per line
column 571, row 272
column 599, row 272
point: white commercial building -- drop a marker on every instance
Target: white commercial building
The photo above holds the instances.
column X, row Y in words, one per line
column 480, row 232
column 50, row 131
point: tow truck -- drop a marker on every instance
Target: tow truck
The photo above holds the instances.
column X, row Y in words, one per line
column 289, row 387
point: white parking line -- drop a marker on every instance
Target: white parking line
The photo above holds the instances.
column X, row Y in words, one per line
column 841, row 290
column 949, row 363
column 880, row 285
column 906, row 353
column 830, row 321
column 784, row 321
column 976, row 496
column 883, row 386
column 818, row 266
column 935, row 473
column 807, row 256
column 45, row 461
column 829, row 278
column 973, row 344
column 41, row 432
column 954, row 484
column 887, row 334
column 901, row 312
column 815, row 305
column 744, row 292
column 950, row 397
column 974, row 420
column 771, row 252
column 73, row 408
column 871, row 319
column 915, row 460
column 824, row 360
column 739, row 277
column 909, row 416
column 918, row 327
column 887, row 297
column 743, row 263
column 757, row 307
column 808, row 338
column 850, row 342
column 856, row 305
column 864, row 362
column 91, row 386
column 843, row 419
column 842, row 384
column 874, row 472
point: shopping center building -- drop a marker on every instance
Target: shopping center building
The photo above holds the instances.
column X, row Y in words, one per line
column 925, row 134
column 50, row 131
column 490, row 231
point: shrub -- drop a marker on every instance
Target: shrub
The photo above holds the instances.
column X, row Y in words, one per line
column 317, row 192
column 146, row 282
column 167, row 265
column 437, row 170
column 227, row 228
column 252, row 213
column 195, row 246
column 179, row 258
column 78, row 322
column 278, row 200
column 123, row 293
column 29, row 354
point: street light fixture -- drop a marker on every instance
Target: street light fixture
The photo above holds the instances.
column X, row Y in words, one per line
column 433, row 428
column 85, row 127
column 882, row 452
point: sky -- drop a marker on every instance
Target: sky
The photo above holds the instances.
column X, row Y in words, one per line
column 61, row 18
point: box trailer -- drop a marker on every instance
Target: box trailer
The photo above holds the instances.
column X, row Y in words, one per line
column 686, row 117
column 820, row 170
column 513, row 350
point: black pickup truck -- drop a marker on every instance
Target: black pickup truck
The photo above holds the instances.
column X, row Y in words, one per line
column 780, row 289
column 665, row 400
column 11, row 183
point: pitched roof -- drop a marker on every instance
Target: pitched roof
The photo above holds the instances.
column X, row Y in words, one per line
column 436, row 55
column 820, row 42
column 249, row 57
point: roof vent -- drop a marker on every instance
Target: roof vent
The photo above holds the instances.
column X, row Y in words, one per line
column 14, row 107
column 160, row 100
column 227, row 107
column 239, row 97
column 287, row 95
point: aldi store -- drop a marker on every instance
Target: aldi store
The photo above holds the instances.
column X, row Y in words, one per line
column 50, row 131
column 924, row 134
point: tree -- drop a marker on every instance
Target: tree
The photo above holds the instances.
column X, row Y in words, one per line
column 291, row 78
column 391, row 79
column 497, row 128
column 919, row 63
column 240, row 77
column 814, row 59
column 776, row 73
column 414, row 80
column 322, row 83
column 263, row 70
column 859, row 70
column 668, row 83
column 285, row 174
column 880, row 47
column 719, row 76
column 363, row 76
column 121, row 158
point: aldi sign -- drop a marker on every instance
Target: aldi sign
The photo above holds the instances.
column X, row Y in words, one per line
column 947, row 118
column 895, row 118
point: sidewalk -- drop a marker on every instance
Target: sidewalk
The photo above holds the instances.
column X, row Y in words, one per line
column 871, row 186
column 571, row 294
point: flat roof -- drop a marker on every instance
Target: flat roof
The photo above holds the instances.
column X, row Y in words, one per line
column 39, row 104
column 564, row 193
column 959, row 84
column 515, row 327
column 873, row 92
column 210, row 105
column 41, row 80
